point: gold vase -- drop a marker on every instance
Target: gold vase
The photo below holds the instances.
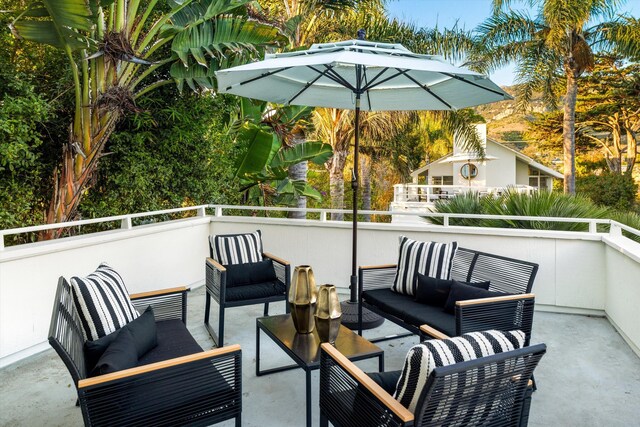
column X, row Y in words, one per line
column 328, row 314
column 302, row 299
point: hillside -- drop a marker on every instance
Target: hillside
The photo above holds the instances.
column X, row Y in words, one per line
column 504, row 122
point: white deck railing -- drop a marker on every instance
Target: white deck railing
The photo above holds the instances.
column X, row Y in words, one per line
column 429, row 193
column 126, row 221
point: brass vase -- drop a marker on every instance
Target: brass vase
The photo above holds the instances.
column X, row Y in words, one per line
column 302, row 299
column 328, row 314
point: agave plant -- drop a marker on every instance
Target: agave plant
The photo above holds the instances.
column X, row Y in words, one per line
column 117, row 50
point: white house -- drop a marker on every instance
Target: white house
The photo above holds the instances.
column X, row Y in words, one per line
column 460, row 171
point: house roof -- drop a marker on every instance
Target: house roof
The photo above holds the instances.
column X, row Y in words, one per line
column 528, row 160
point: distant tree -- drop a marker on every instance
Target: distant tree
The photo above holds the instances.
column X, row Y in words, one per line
column 555, row 47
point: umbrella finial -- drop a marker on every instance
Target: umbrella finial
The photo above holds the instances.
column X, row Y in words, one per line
column 361, row 34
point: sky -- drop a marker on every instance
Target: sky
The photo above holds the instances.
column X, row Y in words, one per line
column 468, row 14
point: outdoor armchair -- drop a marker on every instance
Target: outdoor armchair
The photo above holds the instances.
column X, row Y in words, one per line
column 458, row 394
column 234, row 282
column 176, row 383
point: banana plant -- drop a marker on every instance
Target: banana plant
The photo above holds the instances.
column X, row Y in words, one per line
column 119, row 50
column 268, row 133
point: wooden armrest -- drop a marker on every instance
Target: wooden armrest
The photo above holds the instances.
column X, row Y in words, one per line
column 275, row 258
column 156, row 366
column 377, row 267
column 494, row 299
column 158, row 292
column 363, row 379
column 216, row 264
column 428, row 330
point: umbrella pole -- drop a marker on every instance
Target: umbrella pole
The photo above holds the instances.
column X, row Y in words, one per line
column 354, row 316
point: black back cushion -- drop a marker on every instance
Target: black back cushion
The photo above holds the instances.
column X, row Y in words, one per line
column 460, row 292
column 434, row 291
column 250, row 273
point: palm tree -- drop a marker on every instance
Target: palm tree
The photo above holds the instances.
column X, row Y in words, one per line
column 304, row 22
column 118, row 50
column 558, row 44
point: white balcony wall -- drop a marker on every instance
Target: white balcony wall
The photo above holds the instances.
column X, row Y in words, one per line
column 148, row 257
column 579, row 272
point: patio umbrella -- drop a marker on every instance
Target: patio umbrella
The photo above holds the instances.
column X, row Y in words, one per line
column 359, row 75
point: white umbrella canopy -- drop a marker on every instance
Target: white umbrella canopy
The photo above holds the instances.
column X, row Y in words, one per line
column 360, row 75
column 388, row 76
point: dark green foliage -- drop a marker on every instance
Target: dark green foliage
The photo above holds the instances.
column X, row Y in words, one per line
column 176, row 153
column 608, row 189
column 542, row 203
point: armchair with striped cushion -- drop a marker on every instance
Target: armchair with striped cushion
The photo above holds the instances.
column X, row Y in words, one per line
column 482, row 378
column 240, row 273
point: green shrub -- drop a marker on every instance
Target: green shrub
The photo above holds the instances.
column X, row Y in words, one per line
column 468, row 203
column 613, row 190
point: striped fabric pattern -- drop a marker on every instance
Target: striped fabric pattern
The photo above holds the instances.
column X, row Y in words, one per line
column 230, row 249
column 102, row 301
column 432, row 259
column 423, row 358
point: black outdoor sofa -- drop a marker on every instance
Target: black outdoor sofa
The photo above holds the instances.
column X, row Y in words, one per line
column 507, row 275
column 176, row 383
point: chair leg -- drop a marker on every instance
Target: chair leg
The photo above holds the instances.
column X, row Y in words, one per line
column 324, row 421
column 266, row 308
column 221, row 327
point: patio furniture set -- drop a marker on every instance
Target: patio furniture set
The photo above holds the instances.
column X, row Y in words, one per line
column 134, row 362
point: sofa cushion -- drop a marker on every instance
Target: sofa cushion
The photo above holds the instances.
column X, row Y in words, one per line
column 120, row 354
column 418, row 314
column 257, row 290
column 174, row 340
column 410, row 311
column 434, row 291
column 143, row 331
column 230, row 249
column 461, row 291
column 103, row 302
column 430, row 258
column 250, row 273
column 423, row 358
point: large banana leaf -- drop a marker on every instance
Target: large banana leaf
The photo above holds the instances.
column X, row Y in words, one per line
column 196, row 12
column 262, row 144
column 56, row 22
column 296, row 188
column 221, row 36
column 315, row 151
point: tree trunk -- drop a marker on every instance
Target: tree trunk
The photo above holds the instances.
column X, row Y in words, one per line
column 335, row 165
column 365, row 171
column 76, row 175
column 569, row 133
column 298, row 172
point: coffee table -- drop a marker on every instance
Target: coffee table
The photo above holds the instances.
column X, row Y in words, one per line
column 304, row 349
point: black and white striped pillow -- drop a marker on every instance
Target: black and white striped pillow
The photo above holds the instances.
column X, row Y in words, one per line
column 102, row 301
column 230, row 249
column 432, row 259
column 423, row 358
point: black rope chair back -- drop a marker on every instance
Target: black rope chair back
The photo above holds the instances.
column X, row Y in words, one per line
column 65, row 332
column 489, row 391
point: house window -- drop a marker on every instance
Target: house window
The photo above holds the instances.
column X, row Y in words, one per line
column 469, row 171
column 537, row 179
column 442, row 180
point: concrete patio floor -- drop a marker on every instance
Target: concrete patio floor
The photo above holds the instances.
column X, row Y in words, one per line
column 589, row 376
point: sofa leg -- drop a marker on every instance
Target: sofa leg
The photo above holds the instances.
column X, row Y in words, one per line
column 239, row 420
column 207, row 307
column 324, row 421
column 221, row 328
column 266, row 308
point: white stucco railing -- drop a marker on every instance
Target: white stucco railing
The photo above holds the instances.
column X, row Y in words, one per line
column 592, row 272
column 429, row 193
